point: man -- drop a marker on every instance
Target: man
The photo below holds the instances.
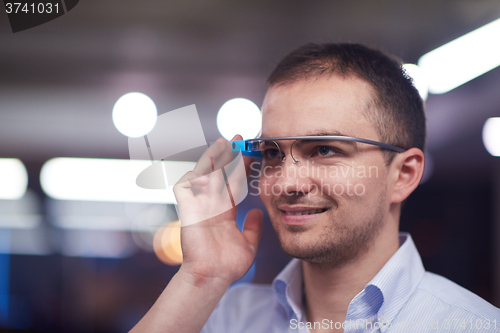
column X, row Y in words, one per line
column 335, row 204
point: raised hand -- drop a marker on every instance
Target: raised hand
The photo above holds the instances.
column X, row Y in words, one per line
column 215, row 252
column 213, row 247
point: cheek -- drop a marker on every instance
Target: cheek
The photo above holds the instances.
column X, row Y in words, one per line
column 265, row 185
column 348, row 182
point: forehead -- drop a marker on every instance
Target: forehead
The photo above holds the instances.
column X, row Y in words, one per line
column 323, row 105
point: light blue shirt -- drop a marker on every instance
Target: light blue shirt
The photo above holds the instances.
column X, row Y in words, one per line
column 402, row 297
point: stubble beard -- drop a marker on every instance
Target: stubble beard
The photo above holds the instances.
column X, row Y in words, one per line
column 339, row 243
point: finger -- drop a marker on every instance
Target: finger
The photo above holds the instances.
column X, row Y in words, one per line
column 206, row 162
column 225, row 154
column 183, row 188
column 238, row 171
column 191, row 178
column 198, row 203
column 253, row 227
column 248, row 160
column 236, row 138
column 228, row 157
column 205, row 167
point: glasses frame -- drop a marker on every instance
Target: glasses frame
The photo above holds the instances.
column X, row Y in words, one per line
column 245, row 146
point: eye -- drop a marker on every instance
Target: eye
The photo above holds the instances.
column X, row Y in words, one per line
column 270, row 154
column 326, row 151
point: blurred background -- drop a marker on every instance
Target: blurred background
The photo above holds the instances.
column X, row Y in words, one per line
column 96, row 264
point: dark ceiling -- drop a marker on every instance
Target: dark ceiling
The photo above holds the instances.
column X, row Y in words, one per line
column 59, row 81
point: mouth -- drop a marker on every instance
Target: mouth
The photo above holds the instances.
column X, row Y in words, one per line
column 304, row 212
column 301, row 214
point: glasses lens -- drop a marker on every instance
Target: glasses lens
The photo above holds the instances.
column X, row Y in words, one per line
column 314, row 151
column 271, row 152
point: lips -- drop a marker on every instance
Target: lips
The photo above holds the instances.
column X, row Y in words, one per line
column 300, row 215
column 306, row 212
column 301, row 210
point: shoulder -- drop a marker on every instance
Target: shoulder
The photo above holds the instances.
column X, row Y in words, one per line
column 438, row 303
column 240, row 306
column 245, row 296
column 454, row 295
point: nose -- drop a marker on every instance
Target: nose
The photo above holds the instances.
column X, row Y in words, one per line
column 290, row 153
column 294, row 177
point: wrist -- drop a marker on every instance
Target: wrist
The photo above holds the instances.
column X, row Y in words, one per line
column 202, row 281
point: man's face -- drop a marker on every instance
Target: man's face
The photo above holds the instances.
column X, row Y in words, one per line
column 327, row 217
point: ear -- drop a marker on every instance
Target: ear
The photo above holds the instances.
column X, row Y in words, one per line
column 407, row 169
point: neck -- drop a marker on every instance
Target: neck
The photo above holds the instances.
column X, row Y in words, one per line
column 329, row 290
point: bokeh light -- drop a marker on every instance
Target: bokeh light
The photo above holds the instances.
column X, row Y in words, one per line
column 463, row 59
column 13, row 179
column 167, row 243
column 99, row 179
column 145, row 223
column 239, row 116
column 491, row 136
column 419, row 79
column 134, row 114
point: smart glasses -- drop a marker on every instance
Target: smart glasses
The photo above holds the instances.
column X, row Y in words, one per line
column 315, row 149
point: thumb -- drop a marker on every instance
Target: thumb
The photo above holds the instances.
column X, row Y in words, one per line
column 253, row 227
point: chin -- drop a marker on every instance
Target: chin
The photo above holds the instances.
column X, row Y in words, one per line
column 296, row 243
column 329, row 247
column 320, row 256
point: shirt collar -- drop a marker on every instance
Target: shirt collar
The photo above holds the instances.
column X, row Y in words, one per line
column 399, row 278
column 288, row 288
column 386, row 293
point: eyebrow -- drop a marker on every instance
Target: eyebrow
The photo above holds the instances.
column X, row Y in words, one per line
column 325, row 133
